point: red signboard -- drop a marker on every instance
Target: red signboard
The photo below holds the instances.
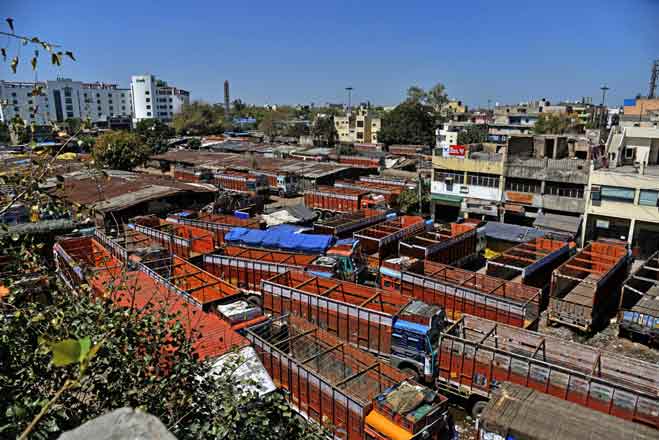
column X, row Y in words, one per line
column 456, row 150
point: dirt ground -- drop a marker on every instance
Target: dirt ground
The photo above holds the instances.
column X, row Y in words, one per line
column 606, row 339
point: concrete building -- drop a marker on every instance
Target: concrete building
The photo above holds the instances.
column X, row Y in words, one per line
column 446, row 136
column 63, row 99
column 621, row 202
column 155, row 99
column 361, row 127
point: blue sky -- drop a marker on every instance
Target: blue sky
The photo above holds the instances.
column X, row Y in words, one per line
column 309, row 51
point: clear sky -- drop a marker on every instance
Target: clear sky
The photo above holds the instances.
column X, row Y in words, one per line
column 282, row 51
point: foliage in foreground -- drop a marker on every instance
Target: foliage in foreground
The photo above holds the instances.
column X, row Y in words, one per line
column 408, row 123
column 130, row 368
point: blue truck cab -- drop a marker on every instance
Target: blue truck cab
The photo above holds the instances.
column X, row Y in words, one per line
column 414, row 336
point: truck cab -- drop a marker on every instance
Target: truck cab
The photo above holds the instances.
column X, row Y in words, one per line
column 414, row 336
column 350, row 264
column 286, row 185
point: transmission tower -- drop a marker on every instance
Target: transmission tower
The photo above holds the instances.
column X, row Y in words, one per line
column 654, row 77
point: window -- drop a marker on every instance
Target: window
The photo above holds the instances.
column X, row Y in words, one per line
column 171, row 107
column 99, row 109
column 148, row 99
column 15, row 102
column 170, row 100
column 360, row 123
column 69, row 108
column 618, row 194
column 68, row 100
column 30, row 101
column 523, row 185
column 148, row 113
column 148, row 107
column 146, row 93
column 98, row 95
column 441, row 176
column 648, row 197
column 480, row 179
column 67, row 91
column 16, row 109
column 564, row 190
column 13, row 94
column 629, row 153
column 69, row 114
column 111, row 109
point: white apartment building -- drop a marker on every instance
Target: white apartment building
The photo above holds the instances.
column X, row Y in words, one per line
column 63, row 99
column 360, row 127
column 153, row 98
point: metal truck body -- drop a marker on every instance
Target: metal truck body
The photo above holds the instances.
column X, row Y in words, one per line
column 182, row 240
column 329, row 198
column 217, row 224
column 342, row 226
column 585, row 290
column 459, row 291
column 392, row 326
column 344, row 389
column 530, row 263
column 638, row 317
column 477, row 355
column 455, row 244
column 237, row 181
column 381, row 241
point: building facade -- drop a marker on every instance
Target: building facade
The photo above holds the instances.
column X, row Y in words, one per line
column 361, row 127
column 155, row 99
column 63, row 99
column 621, row 202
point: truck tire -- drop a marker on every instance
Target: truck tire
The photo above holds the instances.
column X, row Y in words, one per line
column 477, row 408
column 255, row 300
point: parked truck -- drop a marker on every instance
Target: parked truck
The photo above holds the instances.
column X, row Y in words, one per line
column 380, row 241
column 517, row 412
column 237, row 181
column 530, row 263
column 342, row 226
column 460, row 291
column 585, row 290
column 476, row 356
column 217, row 224
column 638, row 318
column 281, row 183
column 330, row 200
column 347, row 391
column 182, row 240
column 342, row 259
column 455, row 244
column 389, row 325
column 389, row 192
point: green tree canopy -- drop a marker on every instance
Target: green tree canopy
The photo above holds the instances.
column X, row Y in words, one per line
column 472, row 134
column 554, row 123
column 155, row 134
column 408, row 123
column 324, row 132
column 199, row 119
column 120, row 150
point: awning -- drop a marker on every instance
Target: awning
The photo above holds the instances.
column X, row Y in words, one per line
column 447, row 199
column 519, row 209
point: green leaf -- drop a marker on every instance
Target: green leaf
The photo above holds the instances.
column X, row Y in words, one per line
column 85, row 344
column 65, row 352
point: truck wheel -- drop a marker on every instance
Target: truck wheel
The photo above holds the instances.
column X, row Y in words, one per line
column 255, row 300
column 477, row 408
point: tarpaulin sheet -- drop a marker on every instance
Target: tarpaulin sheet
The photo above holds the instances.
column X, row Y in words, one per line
column 286, row 238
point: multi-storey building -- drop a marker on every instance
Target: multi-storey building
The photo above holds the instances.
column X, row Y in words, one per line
column 155, row 99
column 360, row 127
column 63, row 99
column 532, row 177
column 622, row 199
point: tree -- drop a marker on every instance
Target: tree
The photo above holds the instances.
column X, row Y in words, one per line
column 72, row 126
column 324, row 132
column 5, row 137
column 199, row 119
column 408, row 200
column 416, row 95
column 437, row 98
column 194, row 143
column 553, row 123
column 155, row 134
column 408, row 123
column 238, row 107
column 120, row 150
column 472, row 134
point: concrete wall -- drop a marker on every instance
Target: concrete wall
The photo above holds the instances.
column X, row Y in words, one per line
column 470, row 165
column 561, row 170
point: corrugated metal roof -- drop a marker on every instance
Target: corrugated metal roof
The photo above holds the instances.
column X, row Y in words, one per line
column 508, row 232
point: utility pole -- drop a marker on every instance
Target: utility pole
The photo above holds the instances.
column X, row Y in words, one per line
column 654, row 77
column 349, row 90
column 604, row 89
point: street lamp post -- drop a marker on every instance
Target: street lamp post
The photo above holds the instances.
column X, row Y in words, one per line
column 349, row 90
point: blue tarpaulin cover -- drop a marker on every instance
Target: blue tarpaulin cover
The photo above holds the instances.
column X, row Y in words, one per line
column 285, row 238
